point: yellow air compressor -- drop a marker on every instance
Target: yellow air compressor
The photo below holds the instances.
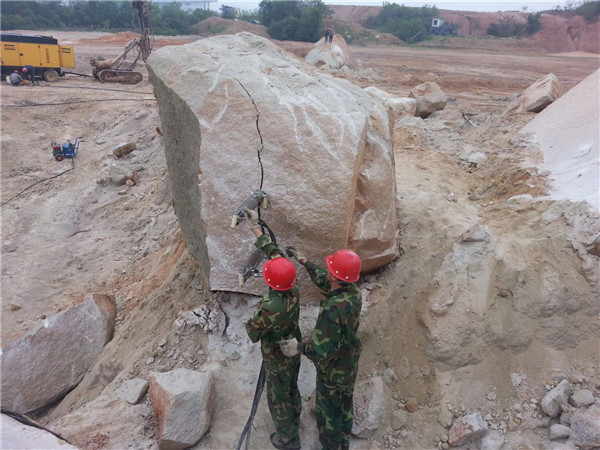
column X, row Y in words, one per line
column 43, row 53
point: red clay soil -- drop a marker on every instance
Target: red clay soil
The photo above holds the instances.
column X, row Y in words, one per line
column 214, row 26
column 124, row 37
column 560, row 31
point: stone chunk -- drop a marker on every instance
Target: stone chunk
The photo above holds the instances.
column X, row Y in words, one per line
column 399, row 420
column 558, row 431
column 368, row 407
column 492, row 441
column 539, row 95
column 124, row 149
column 51, row 359
column 132, row 391
column 582, row 398
column 182, row 401
column 585, row 428
column 16, row 435
column 552, row 402
column 429, row 97
column 399, row 105
column 466, row 429
column 335, row 55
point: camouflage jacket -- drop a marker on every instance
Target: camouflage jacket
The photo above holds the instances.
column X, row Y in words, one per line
column 335, row 345
column 276, row 317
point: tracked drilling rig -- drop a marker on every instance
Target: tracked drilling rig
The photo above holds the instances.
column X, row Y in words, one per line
column 116, row 70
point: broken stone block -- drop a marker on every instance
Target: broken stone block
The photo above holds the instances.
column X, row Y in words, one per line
column 16, row 435
column 335, row 55
column 399, row 105
column 399, row 420
column 319, row 146
column 539, row 95
column 552, row 402
column 124, row 149
column 467, row 429
column 369, row 399
column 558, row 431
column 585, row 428
column 119, row 175
column 132, row 391
column 51, row 359
column 182, row 401
column 492, row 441
column 582, row 398
column 429, row 97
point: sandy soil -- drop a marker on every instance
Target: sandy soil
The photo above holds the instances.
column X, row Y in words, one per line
column 78, row 233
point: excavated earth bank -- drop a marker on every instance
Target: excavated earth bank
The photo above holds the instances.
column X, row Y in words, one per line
column 492, row 301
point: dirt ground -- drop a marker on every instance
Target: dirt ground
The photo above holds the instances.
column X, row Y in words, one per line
column 66, row 234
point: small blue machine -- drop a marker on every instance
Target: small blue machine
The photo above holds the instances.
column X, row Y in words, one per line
column 68, row 150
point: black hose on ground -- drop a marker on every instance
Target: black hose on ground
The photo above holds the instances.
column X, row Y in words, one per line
column 27, row 421
column 257, row 393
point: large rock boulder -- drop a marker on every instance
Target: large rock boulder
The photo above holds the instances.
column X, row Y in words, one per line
column 430, row 98
column 539, row 95
column 239, row 113
column 334, row 55
column 182, row 401
column 400, row 106
column 52, row 358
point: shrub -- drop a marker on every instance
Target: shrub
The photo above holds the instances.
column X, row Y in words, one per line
column 589, row 10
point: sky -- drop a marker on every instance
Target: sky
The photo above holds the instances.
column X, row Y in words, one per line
column 482, row 5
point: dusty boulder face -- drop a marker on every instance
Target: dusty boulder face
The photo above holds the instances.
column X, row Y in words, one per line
column 429, row 97
column 539, row 95
column 239, row 114
column 335, row 55
column 52, row 359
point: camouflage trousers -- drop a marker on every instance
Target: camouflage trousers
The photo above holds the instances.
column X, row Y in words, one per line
column 283, row 397
column 335, row 413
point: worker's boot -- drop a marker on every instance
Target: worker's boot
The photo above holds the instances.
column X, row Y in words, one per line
column 278, row 442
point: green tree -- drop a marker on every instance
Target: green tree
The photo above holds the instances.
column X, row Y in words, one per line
column 590, row 10
column 86, row 15
column 404, row 22
column 534, row 24
column 507, row 27
column 293, row 20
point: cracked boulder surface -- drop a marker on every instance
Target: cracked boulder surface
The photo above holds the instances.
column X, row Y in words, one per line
column 238, row 114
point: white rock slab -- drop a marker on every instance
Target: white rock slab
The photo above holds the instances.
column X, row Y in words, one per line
column 51, row 359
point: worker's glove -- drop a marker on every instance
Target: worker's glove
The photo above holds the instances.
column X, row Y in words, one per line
column 293, row 253
column 290, row 347
column 251, row 218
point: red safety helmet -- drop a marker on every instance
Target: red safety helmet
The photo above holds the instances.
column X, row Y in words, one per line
column 344, row 265
column 279, row 273
column 24, row 69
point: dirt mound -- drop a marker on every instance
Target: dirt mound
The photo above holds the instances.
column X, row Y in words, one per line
column 560, row 31
column 512, row 300
column 569, row 34
column 355, row 34
column 358, row 14
column 215, row 26
column 123, row 36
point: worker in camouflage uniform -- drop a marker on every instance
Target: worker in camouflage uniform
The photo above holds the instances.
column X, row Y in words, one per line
column 334, row 346
column 275, row 319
